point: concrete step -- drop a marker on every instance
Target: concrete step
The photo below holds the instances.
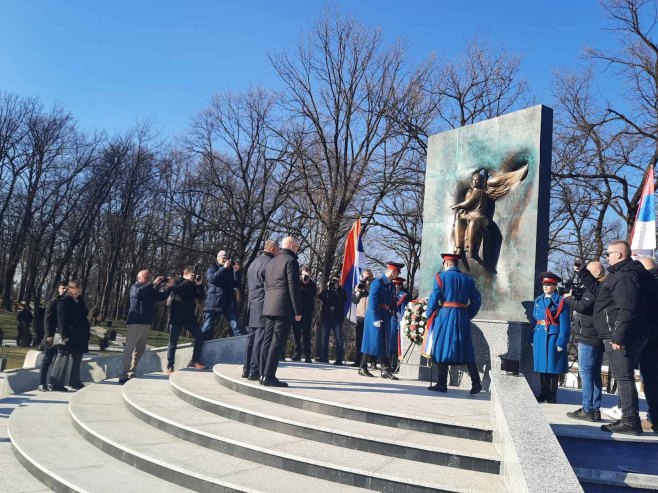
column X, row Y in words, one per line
column 155, row 403
column 14, row 478
column 319, row 394
column 202, row 391
column 102, row 416
column 47, row 444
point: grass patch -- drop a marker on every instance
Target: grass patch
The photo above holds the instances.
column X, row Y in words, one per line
column 16, row 355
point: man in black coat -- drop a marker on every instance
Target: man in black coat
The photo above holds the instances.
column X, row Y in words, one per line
column 282, row 304
column 649, row 357
column 624, row 326
column 182, row 316
column 256, row 325
column 73, row 330
column 50, row 327
column 224, row 278
column 302, row 329
column 24, row 319
column 590, row 349
column 333, row 299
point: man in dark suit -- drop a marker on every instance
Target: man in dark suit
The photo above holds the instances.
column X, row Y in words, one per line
column 282, row 304
column 50, row 327
column 256, row 325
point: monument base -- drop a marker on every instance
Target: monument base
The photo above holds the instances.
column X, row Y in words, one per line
column 493, row 342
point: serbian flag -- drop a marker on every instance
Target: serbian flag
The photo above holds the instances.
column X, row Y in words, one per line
column 354, row 261
column 428, row 339
column 643, row 236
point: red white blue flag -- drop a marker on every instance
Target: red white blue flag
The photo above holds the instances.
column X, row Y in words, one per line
column 643, row 236
column 354, row 261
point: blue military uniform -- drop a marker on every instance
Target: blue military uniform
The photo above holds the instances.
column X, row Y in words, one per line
column 381, row 303
column 552, row 329
column 402, row 298
column 457, row 300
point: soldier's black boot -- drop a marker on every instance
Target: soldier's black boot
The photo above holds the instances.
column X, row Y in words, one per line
column 476, row 383
column 553, row 381
column 545, row 387
column 363, row 369
column 442, row 379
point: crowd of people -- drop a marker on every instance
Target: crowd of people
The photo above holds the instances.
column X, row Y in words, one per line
column 615, row 316
column 612, row 315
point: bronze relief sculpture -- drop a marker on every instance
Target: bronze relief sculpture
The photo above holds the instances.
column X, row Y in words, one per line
column 476, row 236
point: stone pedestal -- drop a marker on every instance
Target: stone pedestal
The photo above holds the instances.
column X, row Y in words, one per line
column 492, row 340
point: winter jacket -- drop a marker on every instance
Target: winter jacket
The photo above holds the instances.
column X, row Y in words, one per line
column 222, row 283
column 183, row 302
column 143, row 298
column 256, row 285
column 283, row 297
column 50, row 319
column 582, row 321
column 309, row 292
column 333, row 303
column 72, row 324
column 621, row 302
column 360, row 299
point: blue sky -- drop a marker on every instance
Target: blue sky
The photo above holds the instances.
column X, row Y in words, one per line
column 113, row 63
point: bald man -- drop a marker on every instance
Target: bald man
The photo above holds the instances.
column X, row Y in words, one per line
column 282, row 304
column 590, row 350
column 144, row 294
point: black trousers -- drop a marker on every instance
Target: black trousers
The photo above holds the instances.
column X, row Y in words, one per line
column 175, row 330
column 442, row 377
column 359, row 338
column 649, row 371
column 58, row 375
column 301, row 332
column 257, row 351
column 249, row 366
column 548, row 382
column 49, row 355
column 623, row 363
column 275, row 338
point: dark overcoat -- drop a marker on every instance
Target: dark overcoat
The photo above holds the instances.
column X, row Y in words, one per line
column 451, row 328
column 256, row 285
column 547, row 336
column 72, row 323
column 283, row 296
column 381, row 303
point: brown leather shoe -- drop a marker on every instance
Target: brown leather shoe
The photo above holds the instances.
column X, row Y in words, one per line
column 170, row 371
column 198, row 366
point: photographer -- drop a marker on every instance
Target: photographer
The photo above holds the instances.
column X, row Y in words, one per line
column 144, row 294
column 224, row 278
column 360, row 299
column 302, row 329
column 590, row 347
column 333, row 299
column 185, row 294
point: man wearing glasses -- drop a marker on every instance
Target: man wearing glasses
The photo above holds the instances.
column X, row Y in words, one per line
column 620, row 319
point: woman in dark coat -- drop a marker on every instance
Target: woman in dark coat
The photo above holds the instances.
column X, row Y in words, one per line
column 73, row 327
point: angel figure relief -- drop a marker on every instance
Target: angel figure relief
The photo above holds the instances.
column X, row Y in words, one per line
column 476, row 236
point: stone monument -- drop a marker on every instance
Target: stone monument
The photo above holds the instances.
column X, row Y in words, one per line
column 487, row 194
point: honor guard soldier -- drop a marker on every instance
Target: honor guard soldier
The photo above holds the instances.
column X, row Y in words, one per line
column 452, row 305
column 376, row 327
column 550, row 337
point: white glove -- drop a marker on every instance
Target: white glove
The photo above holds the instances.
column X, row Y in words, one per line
column 378, row 323
column 559, row 349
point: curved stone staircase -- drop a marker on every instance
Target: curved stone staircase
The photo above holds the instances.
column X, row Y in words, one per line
column 214, row 431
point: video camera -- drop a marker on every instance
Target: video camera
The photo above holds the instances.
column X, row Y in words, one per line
column 575, row 287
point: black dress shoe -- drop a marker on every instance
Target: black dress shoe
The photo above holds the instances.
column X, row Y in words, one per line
column 322, row 361
column 260, row 380
column 295, row 358
column 308, row 360
column 338, row 363
column 253, row 377
column 43, row 388
column 274, row 382
column 623, row 428
column 365, row 373
column 123, row 380
column 387, row 374
column 476, row 389
column 57, row 388
column 245, row 373
column 438, row 388
column 356, row 364
column 77, row 387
